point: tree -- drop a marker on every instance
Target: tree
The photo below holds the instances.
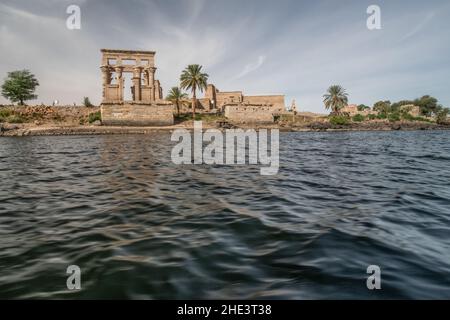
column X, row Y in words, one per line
column 19, row 86
column 87, row 102
column 442, row 115
column 428, row 105
column 383, row 107
column 176, row 96
column 363, row 107
column 397, row 105
column 335, row 99
column 192, row 79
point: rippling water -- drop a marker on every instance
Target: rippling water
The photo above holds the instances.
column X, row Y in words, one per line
column 141, row 227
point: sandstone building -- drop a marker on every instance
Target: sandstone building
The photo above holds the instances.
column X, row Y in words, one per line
column 411, row 109
column 141, row 101
column 146, row 105
column 241, row 108
column 352, row 110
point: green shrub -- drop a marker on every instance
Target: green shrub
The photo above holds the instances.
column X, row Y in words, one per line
column 15, row 119
column 407, row 116
column 394, row 117
column 4, row 113
column 372, row 116
column 339, row 120
column 381, row 116
column 183, row 117
column 358, row 118
column 94, row 116
column 8, row 115
column 421, row 119
column 442, row 116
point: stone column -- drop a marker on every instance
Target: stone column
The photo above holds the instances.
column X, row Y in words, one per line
column 118, row 70
column 106, row 74
column 146, row 77
column 157, row 90
column 137, row 83
column 151, row 82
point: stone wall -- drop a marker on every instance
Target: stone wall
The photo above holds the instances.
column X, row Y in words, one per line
column 352, row 110
column 204, row 103
column 219, row 99
column 223, row 98
column 133, row 114
column 249, row 114
column 276, row 101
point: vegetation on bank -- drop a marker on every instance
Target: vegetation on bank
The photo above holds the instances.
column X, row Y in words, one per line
column 430, row 109
column 335, row 99
column 19, row 86
column 7, row 115
column 95, row 116
column 177, row 97
column 192, row 78
column 87, row 102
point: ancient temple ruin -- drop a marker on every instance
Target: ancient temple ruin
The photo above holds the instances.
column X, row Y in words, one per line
column 140, row 103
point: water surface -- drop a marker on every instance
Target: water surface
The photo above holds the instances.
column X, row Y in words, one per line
column 141, row 227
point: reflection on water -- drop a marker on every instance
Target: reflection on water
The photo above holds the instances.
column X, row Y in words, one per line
column 141, row 227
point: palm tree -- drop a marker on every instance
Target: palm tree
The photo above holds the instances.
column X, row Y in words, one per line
column 335, row 99
column 192, row 79
column 176, row 96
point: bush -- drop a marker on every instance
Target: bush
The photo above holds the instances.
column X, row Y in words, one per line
column 442, row 115
column 421, row 119
column 372, row 116
column 381, row 116
column 7, row 115
column 15, row 119
column 4, row 113
column 407, row 116
column 358, row 118
column 339, row 120
column 394, row 117
column 95, row 116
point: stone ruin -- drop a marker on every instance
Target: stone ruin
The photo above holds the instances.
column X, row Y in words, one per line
column 143, row 104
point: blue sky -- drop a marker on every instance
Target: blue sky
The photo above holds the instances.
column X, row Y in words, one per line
column 292, row 47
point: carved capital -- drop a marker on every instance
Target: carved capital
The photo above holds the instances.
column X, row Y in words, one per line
column 118, row 70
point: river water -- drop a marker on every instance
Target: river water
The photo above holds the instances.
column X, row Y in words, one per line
column 139, row 226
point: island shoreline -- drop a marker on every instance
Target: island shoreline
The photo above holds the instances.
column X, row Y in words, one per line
column 122, row 130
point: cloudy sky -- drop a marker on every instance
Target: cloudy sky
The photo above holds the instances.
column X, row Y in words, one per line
column 292, row 47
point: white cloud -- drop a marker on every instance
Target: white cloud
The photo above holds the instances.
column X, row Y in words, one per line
column 419, row 26
column 251, row 67
column 310, row 47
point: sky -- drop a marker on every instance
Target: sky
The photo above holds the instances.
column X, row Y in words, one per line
column 291, row 47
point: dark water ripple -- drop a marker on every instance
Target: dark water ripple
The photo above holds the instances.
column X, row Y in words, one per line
column 141, row 227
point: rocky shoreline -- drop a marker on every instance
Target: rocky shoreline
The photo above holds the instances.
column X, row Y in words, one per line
column 44, row 120
column 15, row 130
